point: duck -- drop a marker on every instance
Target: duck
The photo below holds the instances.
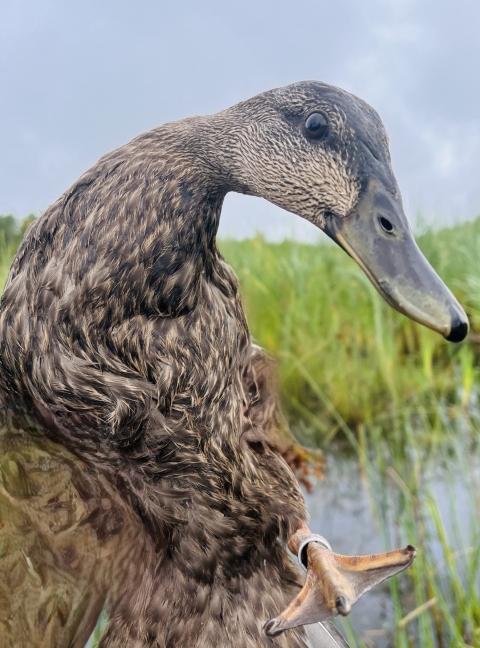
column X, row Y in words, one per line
column 139, row 471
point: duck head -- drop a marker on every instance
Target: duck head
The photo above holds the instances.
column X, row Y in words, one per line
column 322, row 153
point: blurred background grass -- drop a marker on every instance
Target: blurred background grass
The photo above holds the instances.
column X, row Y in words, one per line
column 358, row 378
column 399, row 403
column 342, row 350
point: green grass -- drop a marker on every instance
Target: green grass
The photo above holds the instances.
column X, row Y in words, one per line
column 11, row 234
column 405, row 400
column 342, row 350
column 359, row 378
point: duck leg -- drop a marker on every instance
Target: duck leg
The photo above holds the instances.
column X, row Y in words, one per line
column 333, row 582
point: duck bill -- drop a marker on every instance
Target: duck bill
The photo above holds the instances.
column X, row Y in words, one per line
column 377, row 235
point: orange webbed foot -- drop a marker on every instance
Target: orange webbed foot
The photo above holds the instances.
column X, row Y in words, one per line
column 334, row 583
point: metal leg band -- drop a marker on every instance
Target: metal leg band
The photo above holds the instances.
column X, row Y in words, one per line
column 311, row 537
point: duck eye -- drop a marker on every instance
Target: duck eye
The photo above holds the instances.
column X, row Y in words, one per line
column 316, row 126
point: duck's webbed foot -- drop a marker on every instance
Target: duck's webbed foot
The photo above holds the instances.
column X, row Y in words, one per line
column 333, row 582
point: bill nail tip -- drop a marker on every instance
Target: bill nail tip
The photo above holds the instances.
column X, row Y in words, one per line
column 270, row 628
column 342, row 606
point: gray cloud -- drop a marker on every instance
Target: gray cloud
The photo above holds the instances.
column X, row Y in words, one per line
column 80, row 78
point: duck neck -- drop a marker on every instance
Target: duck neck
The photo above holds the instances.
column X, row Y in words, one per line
column 188, row 167
column 173, row 183
column 133, row 237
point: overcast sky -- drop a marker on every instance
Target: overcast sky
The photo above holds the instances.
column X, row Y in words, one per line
column 78, row 78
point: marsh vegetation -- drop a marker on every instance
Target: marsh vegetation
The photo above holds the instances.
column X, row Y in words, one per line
column 396, row 410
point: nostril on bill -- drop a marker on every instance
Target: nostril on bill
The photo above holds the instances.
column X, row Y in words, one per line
column 459, row 327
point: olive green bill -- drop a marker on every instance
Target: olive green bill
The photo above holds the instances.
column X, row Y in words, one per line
column 334, row 583
column 377, row 235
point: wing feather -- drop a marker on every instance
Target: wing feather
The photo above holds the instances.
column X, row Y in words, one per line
column 53, row 561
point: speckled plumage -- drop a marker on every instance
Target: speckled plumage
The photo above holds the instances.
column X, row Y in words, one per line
column 124, row 358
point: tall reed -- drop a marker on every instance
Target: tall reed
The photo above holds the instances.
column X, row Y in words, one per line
column 341, row 349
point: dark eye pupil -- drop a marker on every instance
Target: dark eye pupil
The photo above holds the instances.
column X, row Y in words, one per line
column 316, row 126
column 386, row 224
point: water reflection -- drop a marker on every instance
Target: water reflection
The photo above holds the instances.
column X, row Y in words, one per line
column 366, row 513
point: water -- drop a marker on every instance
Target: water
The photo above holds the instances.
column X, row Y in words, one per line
column 342, row 511
column 346, row 509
